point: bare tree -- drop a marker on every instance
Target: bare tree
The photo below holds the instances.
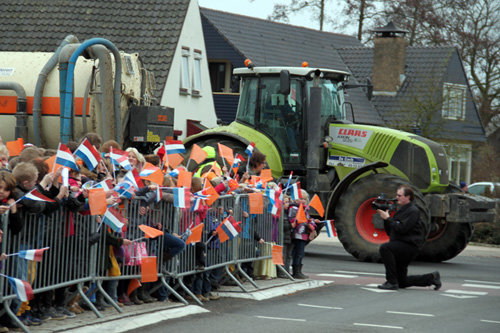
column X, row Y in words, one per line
column 360, row 11
column 281, row 11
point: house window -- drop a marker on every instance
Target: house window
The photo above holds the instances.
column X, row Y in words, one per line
column 221, row 77
column 197, row 73
column 454, row 101
column 459, row 162
column 185, row 84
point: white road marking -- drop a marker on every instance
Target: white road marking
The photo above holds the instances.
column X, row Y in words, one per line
column 376, row 290
column 460, row 296
column 382, row 326
column 485, row 282
column 339, row 275
column 277, row 318
column 360, row 273
column 480, row 286
column 412, row 313
column 490, row 321
column 320, row 306
column 466, row 292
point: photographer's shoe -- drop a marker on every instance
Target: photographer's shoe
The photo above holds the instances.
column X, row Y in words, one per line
column 388, row 286
column 436, row 280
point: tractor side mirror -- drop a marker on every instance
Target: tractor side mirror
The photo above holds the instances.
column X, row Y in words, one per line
column 285, row 82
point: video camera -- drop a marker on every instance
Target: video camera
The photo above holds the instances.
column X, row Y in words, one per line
column 384, row 203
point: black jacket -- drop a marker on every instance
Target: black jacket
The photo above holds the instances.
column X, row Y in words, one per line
column 406, row 226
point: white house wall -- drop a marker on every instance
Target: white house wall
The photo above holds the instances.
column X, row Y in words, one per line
column 188, row 106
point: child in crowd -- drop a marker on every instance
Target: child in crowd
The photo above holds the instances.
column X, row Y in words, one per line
column 300, row 233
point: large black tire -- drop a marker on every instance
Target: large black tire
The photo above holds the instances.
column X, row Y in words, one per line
column 353, row 215
column 447, row 240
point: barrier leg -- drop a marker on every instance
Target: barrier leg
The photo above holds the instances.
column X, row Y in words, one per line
column 249, row 279
column 186, row 289
column 86, row 300
column 172, row 290
column 13, row 317
column 235, row 280
column 283, row 270
column 108, row 298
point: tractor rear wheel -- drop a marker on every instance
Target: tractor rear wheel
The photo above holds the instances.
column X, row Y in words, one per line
column 448, row 239
column 353, row 216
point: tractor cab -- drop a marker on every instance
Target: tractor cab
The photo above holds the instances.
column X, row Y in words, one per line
column 275, row 101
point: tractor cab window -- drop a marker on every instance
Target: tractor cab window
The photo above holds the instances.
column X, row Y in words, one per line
column 331, row 101
column 248, row 100
column 280, row 117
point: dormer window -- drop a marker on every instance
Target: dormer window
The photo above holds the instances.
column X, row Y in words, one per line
column 454, row 101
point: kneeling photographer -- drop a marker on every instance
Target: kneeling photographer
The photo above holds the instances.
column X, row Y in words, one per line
column 407, row 234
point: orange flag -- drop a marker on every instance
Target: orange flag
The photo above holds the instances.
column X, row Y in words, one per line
column 150, row 232
column 266, row 176
column 97, row 201
column 256, row 203
column 15, row 147
column 278, row 255
column 152, row 173
column 227, row 153
column 184, row 179
column 316, row 204
column 173, row 160
column 210, row 190
column 198, row 154
column 133, row 285
column 195, row 236
column 148, row 269
column 301, row 215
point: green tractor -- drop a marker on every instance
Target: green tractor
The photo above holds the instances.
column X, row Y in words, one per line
column 296, row 116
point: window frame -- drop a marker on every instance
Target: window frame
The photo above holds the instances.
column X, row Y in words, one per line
column 185, row 87
column 454, row 106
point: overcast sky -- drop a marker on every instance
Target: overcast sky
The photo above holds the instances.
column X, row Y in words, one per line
column 257, row 8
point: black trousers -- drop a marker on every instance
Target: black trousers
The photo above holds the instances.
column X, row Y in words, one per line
column 397, row 256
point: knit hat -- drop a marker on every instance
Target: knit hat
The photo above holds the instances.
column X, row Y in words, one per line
column 463, row 184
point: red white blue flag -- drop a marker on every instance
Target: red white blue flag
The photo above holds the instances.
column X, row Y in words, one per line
column 88, row 154
column 105, row 184
column 37, row 196
column 65, row 158
column 250, row 149
column 174, row 147
column 226, row 231
column 133, row 177
column 22, row 289
column 125, row 189
column 181, row 197
column 174, row 173
column 120, row 158
column 296, row 192
column 35, row 255
column 330, row 228
column 159, row 194
column 114, row 219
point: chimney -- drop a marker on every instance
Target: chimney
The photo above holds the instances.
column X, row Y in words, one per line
column 389, row 57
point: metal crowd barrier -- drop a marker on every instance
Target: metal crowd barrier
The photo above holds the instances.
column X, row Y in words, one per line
column 79, row 246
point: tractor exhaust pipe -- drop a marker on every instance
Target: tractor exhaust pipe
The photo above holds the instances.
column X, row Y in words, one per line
column 314, row 135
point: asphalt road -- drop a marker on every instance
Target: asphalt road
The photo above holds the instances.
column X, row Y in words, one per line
column 469, row 300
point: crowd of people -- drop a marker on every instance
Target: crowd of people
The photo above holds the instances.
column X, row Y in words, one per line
column 29, row 170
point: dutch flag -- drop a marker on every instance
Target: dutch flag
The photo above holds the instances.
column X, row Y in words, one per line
column 296, row 193
column 88, row 154
column 114, row 220
column 65, row 158
column 181, row 197
column 120, row 158
column 250, row 148
column 35, row 255
column 22, row 289
column 174, row 147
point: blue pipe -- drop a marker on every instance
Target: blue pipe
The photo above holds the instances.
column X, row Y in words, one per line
column 66, row 118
